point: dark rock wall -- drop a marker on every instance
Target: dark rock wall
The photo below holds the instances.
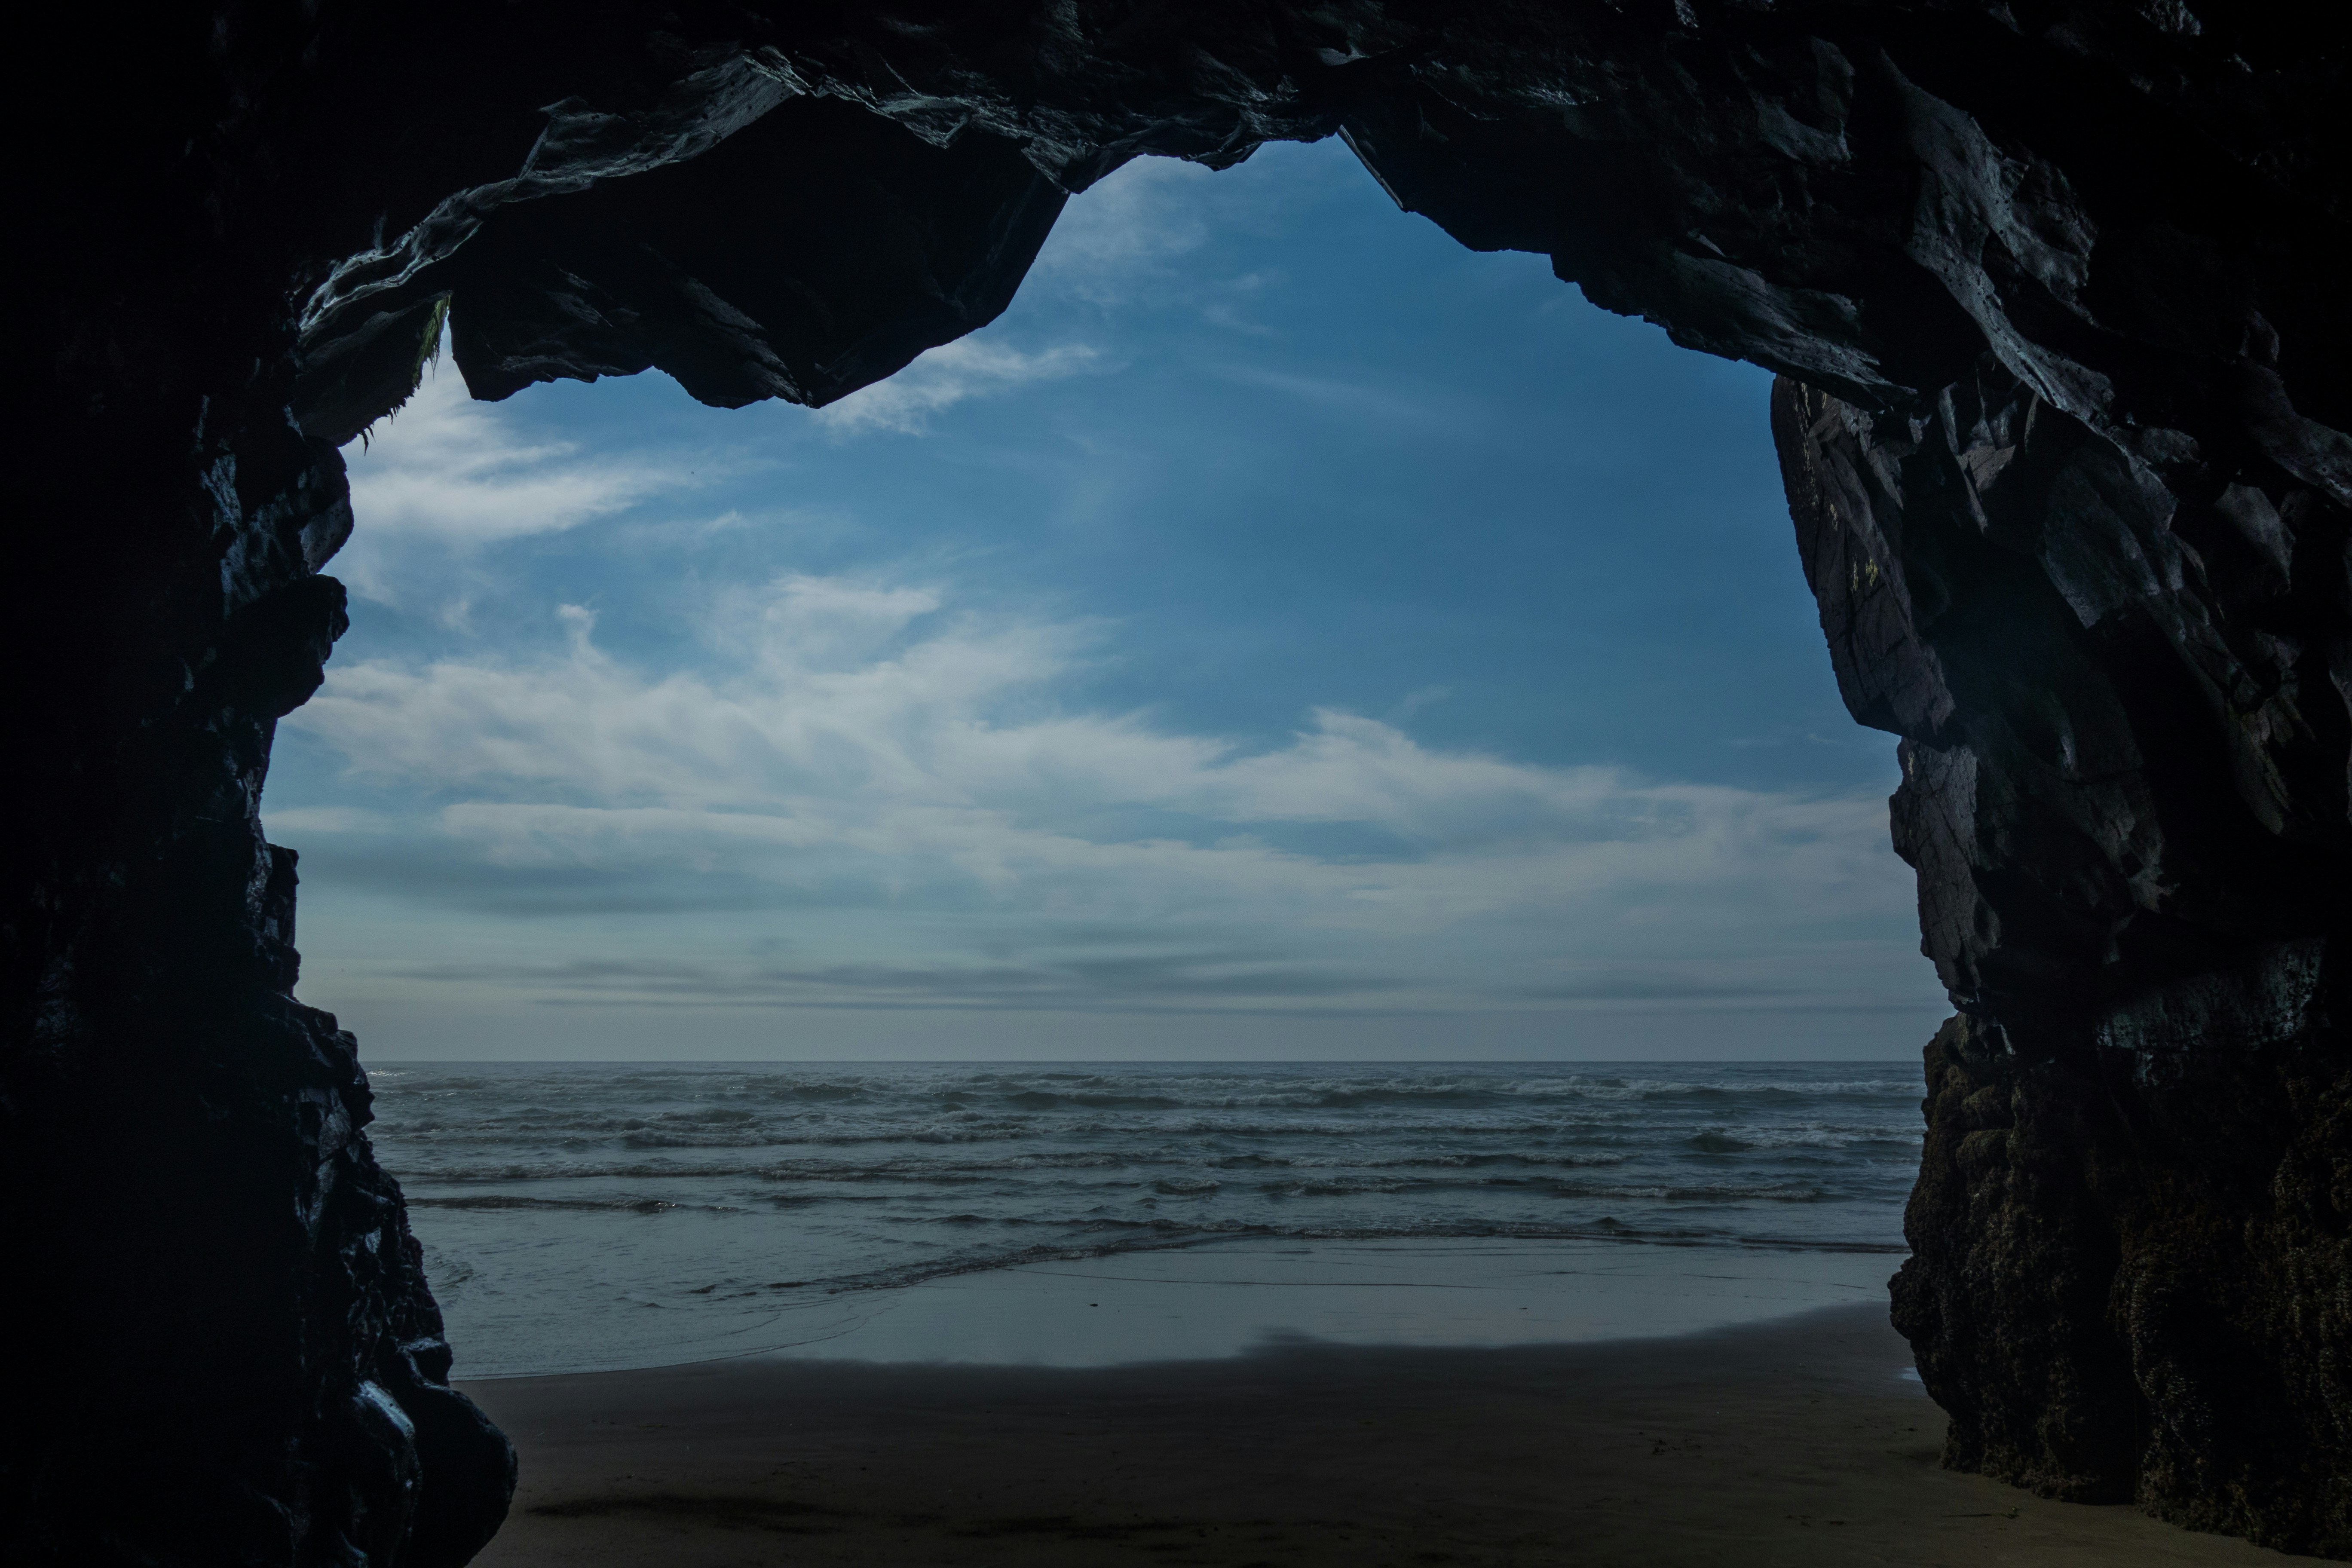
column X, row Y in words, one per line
column 2121, row 684
column 2055, row 290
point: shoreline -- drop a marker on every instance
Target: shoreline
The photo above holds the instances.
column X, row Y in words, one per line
column 1212, row 1299
column 1793, row 1441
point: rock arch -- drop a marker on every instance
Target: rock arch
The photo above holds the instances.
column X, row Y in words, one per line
column 2053, row 290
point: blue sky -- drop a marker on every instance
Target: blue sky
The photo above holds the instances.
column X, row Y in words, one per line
column 1282, row 633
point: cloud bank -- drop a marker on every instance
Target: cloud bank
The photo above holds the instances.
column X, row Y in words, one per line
column 868, row 746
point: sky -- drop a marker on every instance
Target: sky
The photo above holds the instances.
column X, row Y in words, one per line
column 1284, row 634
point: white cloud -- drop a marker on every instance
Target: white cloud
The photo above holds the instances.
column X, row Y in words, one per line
column 853, row 735
column 1125, row 230
column 455, row 470
column 448, row 475
column 328, row 819
column 945, row 376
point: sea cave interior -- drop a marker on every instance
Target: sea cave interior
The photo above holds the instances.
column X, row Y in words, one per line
column 2034, row 313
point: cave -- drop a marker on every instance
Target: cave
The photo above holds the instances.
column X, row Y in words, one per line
column 2052, row 293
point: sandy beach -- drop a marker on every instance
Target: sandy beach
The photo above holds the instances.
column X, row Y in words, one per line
column 1797, row 1441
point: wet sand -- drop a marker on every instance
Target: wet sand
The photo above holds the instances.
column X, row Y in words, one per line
column 1795, row 1442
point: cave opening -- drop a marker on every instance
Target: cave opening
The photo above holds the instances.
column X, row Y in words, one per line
column 1283, row 635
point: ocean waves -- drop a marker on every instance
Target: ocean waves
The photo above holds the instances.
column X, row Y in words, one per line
column 587, row 1189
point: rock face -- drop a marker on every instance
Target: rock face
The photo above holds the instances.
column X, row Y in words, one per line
column 2053, row 290
column 2119, row 671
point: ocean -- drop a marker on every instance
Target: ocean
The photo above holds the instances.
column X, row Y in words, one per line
column 583, row 1215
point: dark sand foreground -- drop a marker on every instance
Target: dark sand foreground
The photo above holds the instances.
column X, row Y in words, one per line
column 1795, row 1442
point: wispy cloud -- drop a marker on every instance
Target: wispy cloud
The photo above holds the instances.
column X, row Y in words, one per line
column 1414, row 408
column 853, row 744
column 459, row 470
column 1125, row 231
column 331, row 819
column 450, row 476
column 945, row 376
column 1148, row 978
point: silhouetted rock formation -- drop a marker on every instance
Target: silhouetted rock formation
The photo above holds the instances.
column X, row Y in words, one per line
column 2056, row 288
column 2120, row 668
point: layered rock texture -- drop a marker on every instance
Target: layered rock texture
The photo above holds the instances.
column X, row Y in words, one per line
column 2054, row 291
